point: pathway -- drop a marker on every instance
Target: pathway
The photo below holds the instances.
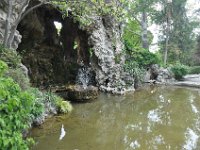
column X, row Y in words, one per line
column 192, row 80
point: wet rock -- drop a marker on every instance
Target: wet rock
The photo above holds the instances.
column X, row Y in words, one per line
column 78, row 93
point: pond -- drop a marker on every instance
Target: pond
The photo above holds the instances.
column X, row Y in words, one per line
column 154, row 117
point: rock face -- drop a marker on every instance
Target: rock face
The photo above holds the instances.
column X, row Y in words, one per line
column 55, row 58
column 108, row 60
column 162, row 75
column 14, row 15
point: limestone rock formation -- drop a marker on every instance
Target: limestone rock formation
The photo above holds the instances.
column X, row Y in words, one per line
column 108, row 60
column 14, row 15
column 54, row 58
column 159, row 74
column 77, row 93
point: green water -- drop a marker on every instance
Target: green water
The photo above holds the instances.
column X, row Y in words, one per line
column 163, row 118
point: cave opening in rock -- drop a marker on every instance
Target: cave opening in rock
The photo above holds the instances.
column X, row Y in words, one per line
column 58, row 26
column 52, row 56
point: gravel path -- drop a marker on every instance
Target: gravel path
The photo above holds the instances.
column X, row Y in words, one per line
column 192, row 80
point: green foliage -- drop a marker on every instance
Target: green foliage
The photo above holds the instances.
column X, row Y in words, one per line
column 63, row 106
column 83, row 10
column 18, row 76
column 15, row 71
column 131, row 36
column 137, row 72
column 133, row 48
column 55, row 101
column 144, row 58
column 10, row 57
column 3, row 67
column 39, row 101
column 181, row 35
column 179, row 71
column 19, row 107
column 194, row 70
column 16, row 107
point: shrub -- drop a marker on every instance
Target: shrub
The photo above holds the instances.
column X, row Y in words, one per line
column 13, row 60
column 63, row 106
column 19, row 103
column 15, row 110
column 138, row 73
column 179, row 71
column 194, row 70
column 10, row 56
column 18, row 76
column 143, row 57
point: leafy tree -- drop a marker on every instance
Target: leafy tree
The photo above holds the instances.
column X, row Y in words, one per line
column 177, row 36
column 141, row 11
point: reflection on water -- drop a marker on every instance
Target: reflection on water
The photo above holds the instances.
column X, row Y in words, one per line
column 163, row 118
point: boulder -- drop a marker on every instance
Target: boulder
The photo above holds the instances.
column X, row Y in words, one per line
column 78, row 93
column 156, row 74
column 165, row 76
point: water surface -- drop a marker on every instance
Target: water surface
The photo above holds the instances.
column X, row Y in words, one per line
column 154, row 117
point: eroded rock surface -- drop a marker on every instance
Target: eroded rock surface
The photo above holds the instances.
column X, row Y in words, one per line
column 77, row 93
column 108, row 58
column 53, row 58
column 159, row 74
column 14, row 15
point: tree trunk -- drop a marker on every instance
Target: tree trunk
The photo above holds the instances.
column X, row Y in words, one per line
column 166, row 49
column 145, row 42
column 167, row 35
column 8, row 23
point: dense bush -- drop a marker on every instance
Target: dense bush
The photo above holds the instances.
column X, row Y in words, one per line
column 19, row 108
column 194, row 70
column 16, row 107
column 179, row 71
column 137, row 72
column 142, row 57
column 63, row 106
column 11, row 57
column 15, row 71
column 145, row 58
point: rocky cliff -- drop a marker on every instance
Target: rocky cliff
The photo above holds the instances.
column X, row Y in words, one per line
column 54, row 58
column 3, row 15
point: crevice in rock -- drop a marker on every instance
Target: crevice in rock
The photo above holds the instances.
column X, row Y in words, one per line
column 52, row 58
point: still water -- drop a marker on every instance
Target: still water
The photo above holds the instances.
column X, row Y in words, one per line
column 154, row 117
